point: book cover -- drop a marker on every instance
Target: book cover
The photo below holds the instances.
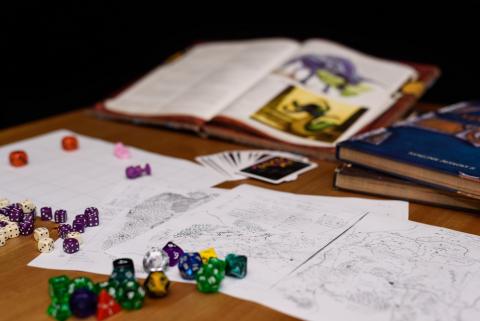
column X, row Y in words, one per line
column 446, row 142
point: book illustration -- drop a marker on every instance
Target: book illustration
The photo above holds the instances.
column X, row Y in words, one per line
column 332, row 71
column 443, row 123
column 377, row 137
column 471, row 135
column 464, row 112
column 299, row 112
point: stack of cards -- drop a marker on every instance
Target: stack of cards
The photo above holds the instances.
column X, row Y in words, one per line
column 266, row 165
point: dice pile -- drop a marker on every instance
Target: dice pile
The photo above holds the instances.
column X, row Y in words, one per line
column 71, row 233
column 83, row 298
column 204, row 267
column 19, row 219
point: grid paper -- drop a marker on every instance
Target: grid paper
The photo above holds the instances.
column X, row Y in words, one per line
column 79, row 179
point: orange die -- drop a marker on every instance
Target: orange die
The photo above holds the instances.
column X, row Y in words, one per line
column 69, row 143
column 18, row 158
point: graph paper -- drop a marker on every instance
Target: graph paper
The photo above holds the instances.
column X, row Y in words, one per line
column 78, row 179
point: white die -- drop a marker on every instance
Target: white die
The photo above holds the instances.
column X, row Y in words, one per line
column 4, row 218
column 3, row 238
column 40, row 233
column 45, row 245
column 28, row 206
column 4, row 202
column 75, row 235
column 12, row 230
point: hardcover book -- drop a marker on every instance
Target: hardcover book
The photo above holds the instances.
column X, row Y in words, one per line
column 367, row 181
column 441, row 149
column 277, row 93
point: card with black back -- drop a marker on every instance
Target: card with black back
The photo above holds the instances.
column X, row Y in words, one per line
column 276, row 169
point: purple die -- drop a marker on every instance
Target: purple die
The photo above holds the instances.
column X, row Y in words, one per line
column 71, row 245
column 25, row 228
column 3, row 224
column 81, row 218
column 78, row 226
column 15, row 205
column 5, row 211
column 174, row 253
column 63, row 230
column 60, row 216
column 16, row 214
column 92, row 220
column 29, row 217
column 91, row 211
column 46, row 213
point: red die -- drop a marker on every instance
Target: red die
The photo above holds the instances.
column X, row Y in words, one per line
column 69, row 143
column 18, row 158
column 107, row 306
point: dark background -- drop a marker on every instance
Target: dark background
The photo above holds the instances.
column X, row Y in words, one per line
column 73, row 57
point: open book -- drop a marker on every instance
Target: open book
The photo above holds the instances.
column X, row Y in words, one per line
column 309, row 95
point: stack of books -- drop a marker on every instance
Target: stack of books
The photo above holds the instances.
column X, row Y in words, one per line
column 433, row 158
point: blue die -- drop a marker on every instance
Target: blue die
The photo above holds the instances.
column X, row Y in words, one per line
column 189, row 264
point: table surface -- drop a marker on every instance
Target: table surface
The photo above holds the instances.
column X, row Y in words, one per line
column 24, row 289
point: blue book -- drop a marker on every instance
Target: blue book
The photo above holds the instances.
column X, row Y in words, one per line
column 441, row 149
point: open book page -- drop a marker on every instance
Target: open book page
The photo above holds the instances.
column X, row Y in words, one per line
column 204, row 81
column 323, row 94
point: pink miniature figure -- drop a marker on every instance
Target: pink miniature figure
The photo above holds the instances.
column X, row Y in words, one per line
column 120, row 151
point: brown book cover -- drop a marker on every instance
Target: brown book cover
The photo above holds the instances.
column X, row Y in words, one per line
column 371, row 182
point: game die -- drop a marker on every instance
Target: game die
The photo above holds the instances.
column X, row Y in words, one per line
column 189, row 264
column 40, row 233
column 18, row 158
column 71, row 245
column 174, row 252
column 60, row 216
column 157, row 284
column 45, row 245
column 46, row 213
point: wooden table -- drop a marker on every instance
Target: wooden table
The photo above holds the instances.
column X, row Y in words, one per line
column 24, row 289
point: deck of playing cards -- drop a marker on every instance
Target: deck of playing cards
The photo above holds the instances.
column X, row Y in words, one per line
column 265, row 165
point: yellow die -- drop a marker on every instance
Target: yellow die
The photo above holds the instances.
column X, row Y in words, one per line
column 40, row 233
column 45, row 245
column 28, row 206
column 4, row 218
column 75, row 235
column 3, row 237
column 207, row 254
column 12, row 230
column 4, row 202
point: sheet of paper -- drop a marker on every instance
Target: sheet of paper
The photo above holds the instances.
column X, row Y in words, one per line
column 82, row 178
column 277, row 231
column 385, row 269
column 132, row 209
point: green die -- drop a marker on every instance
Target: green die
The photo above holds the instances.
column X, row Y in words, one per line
column 113, row 288
column 133, row 296
column 122, row 275
column 58, row 286
column 217, row 263
column 236, row 265
column 210, row 276
column 81, row 283
column 59, row 308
